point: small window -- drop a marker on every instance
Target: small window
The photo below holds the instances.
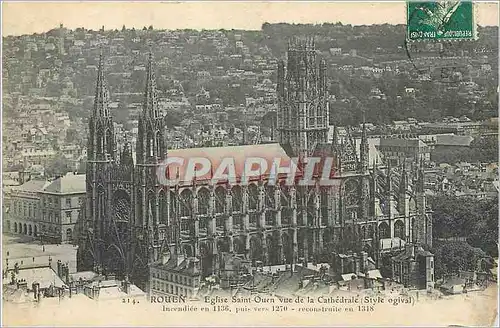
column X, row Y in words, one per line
column 68, row 202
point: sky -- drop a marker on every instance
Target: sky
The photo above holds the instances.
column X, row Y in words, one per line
column 36, row 17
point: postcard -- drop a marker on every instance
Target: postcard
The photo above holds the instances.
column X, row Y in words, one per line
column 272, row 163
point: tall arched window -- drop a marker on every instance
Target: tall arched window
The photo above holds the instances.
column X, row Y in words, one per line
column 69, row 235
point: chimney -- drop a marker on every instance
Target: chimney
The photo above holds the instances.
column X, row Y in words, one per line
column 66, row 272
column 126, row 285
column 22, row 284
column 36, row 287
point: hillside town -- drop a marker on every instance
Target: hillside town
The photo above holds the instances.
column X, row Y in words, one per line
column 218, row 88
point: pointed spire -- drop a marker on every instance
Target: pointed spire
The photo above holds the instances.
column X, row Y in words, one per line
column 101, row 93
column 420, row 187
column 389, row 176
column 364, row 149
column 403, row 184
column 150, row 106
column 335, row 140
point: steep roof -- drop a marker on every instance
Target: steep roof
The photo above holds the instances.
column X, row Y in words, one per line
column 238, row 154
column 453, row 140
column 32, row 186
column 68, row 184
column 401, row 142
column 45, row 276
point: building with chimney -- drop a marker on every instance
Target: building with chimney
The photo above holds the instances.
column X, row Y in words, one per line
column 175, row 276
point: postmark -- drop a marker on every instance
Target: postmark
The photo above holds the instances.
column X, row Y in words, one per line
column 440, row 20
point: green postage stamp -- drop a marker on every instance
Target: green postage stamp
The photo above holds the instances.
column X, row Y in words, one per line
column 440, row 20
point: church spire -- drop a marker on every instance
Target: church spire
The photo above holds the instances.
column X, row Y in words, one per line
column 389, row 177
column 101, row 93
column 420, row 187
column 101, row 141
column 150, row 106
column 364, row 150
column 150, row 135
column 403, row 184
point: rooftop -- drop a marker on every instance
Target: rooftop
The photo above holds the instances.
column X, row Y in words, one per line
column 32, row 186
column 238, row 154
column 68, row 184
column 45, row 276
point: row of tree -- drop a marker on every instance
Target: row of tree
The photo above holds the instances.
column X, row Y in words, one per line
column 476, row 220
column 482, row 149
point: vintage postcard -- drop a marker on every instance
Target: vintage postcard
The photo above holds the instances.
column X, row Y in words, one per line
column 250, row 163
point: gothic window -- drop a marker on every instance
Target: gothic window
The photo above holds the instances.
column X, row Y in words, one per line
column 311, row 207
column 109, row 139
column 253, row 197
column 324, row 207
column 69, row 235
column 186, row 201
column 286, row 210
column 140, row 214
column 151, row 147
column 101, row 204
column 163, row 203
column 185, row 226
column 203, row 201
column 157, row 138
column 237, row 199
column 384, row 231
column 350, row 198
column 152, row 217
column 173, row 205
column 399, row 229
column 269, row 192
column 121, row 206
column 220, row 199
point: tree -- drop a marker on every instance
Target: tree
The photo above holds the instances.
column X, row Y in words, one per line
column 57, row 166
column 476, row 220
column 71, row 135
column 453, row 256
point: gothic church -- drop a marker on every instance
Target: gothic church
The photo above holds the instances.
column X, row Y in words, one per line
column 131, row 221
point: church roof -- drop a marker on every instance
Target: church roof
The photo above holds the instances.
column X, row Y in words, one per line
column 238, row 154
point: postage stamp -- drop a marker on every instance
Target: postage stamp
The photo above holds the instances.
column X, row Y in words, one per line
column 278, row 164
column 440, row 20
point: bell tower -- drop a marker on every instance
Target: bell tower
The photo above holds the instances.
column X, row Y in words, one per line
column 303, row 118
column 101, row 152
